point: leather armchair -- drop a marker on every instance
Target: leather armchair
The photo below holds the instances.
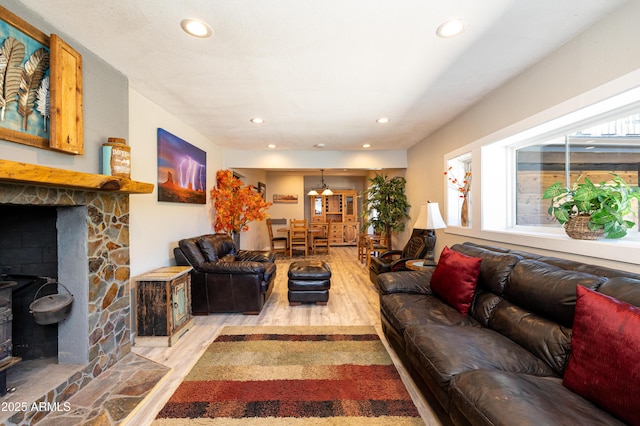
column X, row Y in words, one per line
column 394, row 260
column 225, row 279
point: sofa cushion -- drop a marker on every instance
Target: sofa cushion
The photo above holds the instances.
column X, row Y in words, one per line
column 455, row 279
column 547, row 290
column 494, row 269
column 413, row 282
column 439, row 352
column 604, row 364
column 624, row 289
column 546, row 339
column 403, row 310
column 216, row 246
column 485, row 397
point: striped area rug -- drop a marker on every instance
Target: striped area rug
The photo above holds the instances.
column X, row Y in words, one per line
column 294, row 376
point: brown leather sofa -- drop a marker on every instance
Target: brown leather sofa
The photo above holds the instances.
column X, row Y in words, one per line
column 503, row 363
column 224, row 279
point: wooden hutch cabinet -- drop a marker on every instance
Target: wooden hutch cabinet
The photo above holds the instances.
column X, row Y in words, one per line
column 341, row 209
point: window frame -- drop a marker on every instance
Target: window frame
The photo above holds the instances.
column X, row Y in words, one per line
column 493, row 194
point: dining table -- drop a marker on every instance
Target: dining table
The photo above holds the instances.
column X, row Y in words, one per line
column 310, row 232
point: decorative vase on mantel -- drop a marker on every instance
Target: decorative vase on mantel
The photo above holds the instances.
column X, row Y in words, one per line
column 464, row 211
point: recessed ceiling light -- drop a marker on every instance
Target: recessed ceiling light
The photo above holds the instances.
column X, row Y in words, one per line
column 271, row 146
column 319, row 145
column 383, row 120
column 196, row 28
column 451, row 28
column 257, row 120
column 366, row 145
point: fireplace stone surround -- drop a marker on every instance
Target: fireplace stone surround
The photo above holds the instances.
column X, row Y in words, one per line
column 98, row 333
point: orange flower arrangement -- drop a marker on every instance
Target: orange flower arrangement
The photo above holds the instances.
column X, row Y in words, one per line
column 236, row 205
column 464, row 186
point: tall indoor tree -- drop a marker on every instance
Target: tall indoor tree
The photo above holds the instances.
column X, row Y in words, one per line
column 385, row 205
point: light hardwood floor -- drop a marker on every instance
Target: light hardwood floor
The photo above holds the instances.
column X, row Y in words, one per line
column 353, row 300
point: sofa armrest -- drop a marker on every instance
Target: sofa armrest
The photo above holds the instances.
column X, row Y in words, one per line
column 389, row 254
column 239, row 267
column 255, row 256
column 416, row 282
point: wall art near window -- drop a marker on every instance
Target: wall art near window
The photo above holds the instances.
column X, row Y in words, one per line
column 285, row 199
column 182, row 170
column 24, row 70
column 262, row 188
column 41, row 88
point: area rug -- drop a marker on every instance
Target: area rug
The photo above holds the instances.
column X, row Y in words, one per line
column 292, row 375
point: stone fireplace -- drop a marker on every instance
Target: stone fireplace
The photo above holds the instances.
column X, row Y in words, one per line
column 92, row 261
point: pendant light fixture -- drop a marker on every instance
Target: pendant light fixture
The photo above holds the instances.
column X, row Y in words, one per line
column 325, row 189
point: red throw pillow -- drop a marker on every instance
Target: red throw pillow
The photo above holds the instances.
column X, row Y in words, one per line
column 455, row 279
column 604, row 365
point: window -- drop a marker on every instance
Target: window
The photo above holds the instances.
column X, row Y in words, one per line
column 513, row 166
column 458, row 177
column 597, row 151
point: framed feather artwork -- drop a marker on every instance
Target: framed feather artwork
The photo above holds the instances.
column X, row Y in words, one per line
column 35, row 108
column 182, row 170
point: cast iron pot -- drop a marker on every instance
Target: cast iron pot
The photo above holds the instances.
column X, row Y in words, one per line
column 51, row 308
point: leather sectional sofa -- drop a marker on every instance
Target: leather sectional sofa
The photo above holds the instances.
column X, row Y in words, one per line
column 534, row 347
column 224, row 279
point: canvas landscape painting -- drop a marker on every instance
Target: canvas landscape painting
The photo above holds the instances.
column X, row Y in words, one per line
column 182, row 170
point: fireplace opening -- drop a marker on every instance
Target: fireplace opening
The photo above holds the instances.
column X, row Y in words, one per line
column 40, row 245
column 29, row 257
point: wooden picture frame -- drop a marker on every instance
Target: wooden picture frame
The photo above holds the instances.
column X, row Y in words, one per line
column 62, row 129
column 262, row 189
column 285, row 199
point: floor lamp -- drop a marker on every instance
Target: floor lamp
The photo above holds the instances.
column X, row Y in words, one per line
column 429, row 218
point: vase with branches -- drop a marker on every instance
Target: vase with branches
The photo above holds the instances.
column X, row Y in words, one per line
column 236, row 205
column 463, row 187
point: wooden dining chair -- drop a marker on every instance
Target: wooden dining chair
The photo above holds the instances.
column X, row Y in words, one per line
column 362, row 247
column 320, row 238
column 278, row 244
column 375, row 245
column 298, row 236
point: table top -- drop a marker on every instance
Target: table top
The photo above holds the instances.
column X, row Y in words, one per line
column 418, row 265
column 308, row 230
column 166, row 273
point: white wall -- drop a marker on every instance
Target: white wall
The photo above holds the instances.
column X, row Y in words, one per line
column 601, row 54
column 257, row 237
column 156, row 227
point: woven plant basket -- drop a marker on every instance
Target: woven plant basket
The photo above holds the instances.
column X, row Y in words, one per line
column 578, row 228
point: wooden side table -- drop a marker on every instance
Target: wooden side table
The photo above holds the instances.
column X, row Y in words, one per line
column 418, row 265
column 163, row 305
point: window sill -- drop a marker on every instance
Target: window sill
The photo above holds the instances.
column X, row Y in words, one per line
column 625, row 250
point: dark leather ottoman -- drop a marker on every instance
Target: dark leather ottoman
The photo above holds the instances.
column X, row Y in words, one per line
column 309, row 282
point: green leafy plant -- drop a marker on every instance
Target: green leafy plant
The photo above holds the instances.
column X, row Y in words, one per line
column 385, row 205
column 609, row 204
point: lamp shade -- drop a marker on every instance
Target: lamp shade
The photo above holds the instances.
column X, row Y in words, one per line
column 429, row 217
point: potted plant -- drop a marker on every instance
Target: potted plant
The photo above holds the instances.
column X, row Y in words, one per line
column 236, row 205
column 589, row 211
column 385, row 205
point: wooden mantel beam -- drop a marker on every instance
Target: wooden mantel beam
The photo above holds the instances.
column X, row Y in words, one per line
column 33, row 174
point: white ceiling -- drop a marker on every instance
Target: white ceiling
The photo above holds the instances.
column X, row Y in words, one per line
column 319, row 71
